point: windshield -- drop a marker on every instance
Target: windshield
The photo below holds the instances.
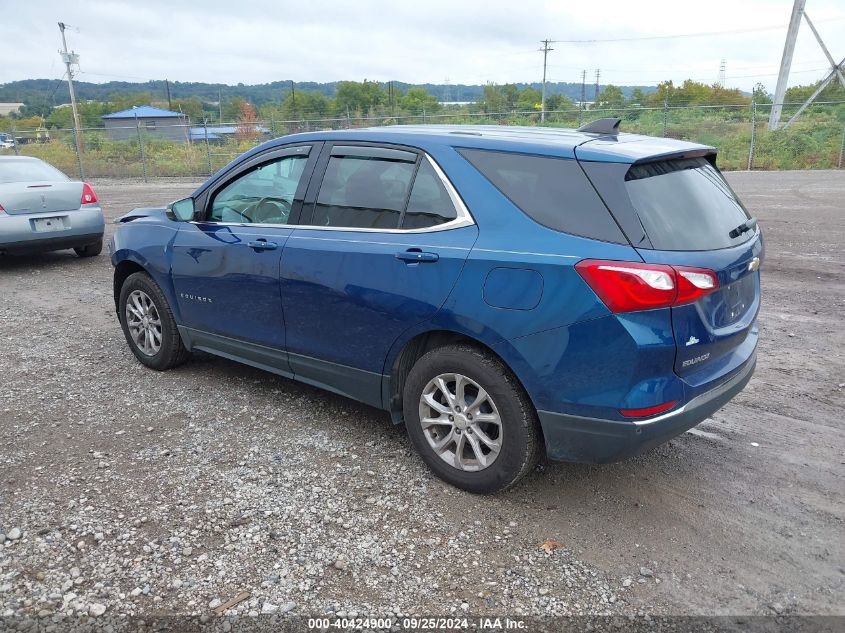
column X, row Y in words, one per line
column 686, row 204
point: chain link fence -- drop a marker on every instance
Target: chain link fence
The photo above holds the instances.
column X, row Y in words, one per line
column 816, row 140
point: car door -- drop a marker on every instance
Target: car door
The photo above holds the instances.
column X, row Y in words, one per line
column 382, row 239
column 225, row 264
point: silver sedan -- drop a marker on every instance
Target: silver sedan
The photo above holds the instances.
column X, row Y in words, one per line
column 41, row 209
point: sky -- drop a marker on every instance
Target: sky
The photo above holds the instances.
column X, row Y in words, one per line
column 436, row 41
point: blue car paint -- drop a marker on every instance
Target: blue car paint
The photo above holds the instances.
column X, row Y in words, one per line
column 347, row 308
column 146, row 241
column 247, row 304
column 343, row 311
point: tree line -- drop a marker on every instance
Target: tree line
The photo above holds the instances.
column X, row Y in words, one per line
column 369, row 98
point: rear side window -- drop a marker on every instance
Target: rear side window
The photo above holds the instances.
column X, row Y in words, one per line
column 25, row 170
column 363, row 192
column 685, row 204
column 430, row 203
column 552, row 191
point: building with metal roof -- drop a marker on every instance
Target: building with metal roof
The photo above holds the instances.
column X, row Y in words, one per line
column 219, row 133
column 124, row 125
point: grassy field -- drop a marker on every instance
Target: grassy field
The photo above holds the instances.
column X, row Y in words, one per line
column 814, row 141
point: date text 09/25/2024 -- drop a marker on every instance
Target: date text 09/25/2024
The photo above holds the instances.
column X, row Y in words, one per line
column 417, row 623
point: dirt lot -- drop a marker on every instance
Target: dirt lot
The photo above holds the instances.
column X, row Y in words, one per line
column 131, row 491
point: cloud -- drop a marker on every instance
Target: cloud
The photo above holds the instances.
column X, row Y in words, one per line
column 258, row 41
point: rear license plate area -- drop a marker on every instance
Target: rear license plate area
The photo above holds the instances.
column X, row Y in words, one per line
column 48, row 225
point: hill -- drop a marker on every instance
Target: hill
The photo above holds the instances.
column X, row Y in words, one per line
column 44, row 94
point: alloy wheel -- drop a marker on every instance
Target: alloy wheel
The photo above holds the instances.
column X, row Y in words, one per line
column 460, row 421
column 144, row 322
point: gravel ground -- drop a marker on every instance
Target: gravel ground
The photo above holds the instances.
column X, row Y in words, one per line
column 127, row 491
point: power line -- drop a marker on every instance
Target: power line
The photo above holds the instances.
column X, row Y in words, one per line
column 88, row 72
column 682, row 35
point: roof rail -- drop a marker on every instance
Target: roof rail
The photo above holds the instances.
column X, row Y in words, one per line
column 602, row 126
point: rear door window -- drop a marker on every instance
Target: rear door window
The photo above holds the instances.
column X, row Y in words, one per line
column 552, row 191
column 364, row 191
column 685, row 204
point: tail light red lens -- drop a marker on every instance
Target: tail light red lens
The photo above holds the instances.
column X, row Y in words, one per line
column 647, row 411
column 2, row 210
column 88, row 195
column 633, row 286
column 694, row 283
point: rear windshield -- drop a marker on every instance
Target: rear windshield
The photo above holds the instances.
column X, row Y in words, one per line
column 28, row 171
column 685, row 204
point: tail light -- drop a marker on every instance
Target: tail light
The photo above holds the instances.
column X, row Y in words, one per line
column 647, row 411
column 88, row 195
column 632, row 286
column 2, row 210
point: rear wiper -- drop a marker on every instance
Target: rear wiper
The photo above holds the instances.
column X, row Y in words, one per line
column 748, row 225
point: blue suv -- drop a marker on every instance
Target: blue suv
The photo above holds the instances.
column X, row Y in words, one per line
column 500, row 291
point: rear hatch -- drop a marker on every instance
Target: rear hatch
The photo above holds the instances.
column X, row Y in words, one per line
column 687, row 215
column 40, row 197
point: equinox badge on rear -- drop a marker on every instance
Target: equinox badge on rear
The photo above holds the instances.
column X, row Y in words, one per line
column 697, row 359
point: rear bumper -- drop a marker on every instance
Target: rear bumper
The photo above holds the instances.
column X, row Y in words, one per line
column 50, row 244
column 83, row 226
column 591, row 440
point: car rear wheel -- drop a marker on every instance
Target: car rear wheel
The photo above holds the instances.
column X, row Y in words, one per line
column 148, row 324
column 470, row 419
column 90, row 250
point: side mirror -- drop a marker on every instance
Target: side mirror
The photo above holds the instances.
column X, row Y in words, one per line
column 181, row 210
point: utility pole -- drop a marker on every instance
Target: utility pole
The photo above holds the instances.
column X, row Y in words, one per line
column 583, row 95
column 293, row 98
column 169, row 102
column 545, row 51
column 786, row 62
column 596, row 96
column 68, row 59
column 220, row 104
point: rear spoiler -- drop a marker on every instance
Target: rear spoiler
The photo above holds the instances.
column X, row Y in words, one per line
column 708, row 153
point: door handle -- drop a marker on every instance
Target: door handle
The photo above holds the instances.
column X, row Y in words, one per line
column 416, row 256
column 262, row 245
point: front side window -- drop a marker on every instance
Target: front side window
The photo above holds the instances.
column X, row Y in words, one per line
column 363, row 192
column 263, row 195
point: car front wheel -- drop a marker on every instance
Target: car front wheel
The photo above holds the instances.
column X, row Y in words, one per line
column 148, row 324
column 470, row 419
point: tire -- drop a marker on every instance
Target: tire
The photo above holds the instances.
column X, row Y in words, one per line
column 140, row 290
column 517, row 433
column 90, row 250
